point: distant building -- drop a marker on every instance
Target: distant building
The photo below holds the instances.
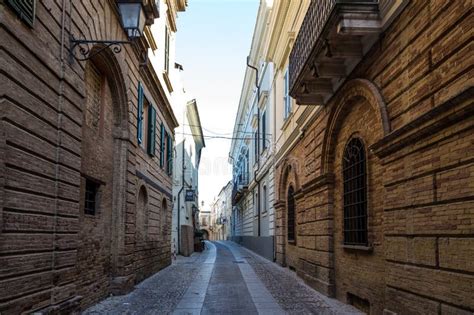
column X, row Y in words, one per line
column 252, row 150
column 190, row 142
column 221, row 213
column 205, row 223
column 373, row 138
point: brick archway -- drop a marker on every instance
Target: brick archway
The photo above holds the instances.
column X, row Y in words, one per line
column 353, row 91
column 113, row 67
column 358, row 111
column 288, row 177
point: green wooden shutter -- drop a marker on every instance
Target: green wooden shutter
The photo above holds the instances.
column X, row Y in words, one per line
column 151, row 130
column 162, row 146
column 140, row 114
column 25, row 9
column 169, row 154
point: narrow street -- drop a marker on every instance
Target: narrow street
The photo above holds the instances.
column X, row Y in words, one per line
column 224, row 279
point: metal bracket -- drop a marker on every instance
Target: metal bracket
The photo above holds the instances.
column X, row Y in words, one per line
column 85, row 50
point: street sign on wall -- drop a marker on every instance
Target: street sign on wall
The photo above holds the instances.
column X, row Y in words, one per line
column 189, row 195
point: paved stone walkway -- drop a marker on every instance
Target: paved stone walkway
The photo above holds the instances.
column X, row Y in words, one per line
column 224, row 279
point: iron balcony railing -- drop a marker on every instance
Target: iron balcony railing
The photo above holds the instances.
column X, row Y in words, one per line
column 309, row 36
column 239, row 187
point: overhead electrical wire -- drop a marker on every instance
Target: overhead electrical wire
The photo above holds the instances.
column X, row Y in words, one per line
column 224, row 134
column 215, row 137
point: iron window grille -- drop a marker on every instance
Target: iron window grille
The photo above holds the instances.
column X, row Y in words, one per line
column 291, row 214
column 90, row 200
column 355, row 193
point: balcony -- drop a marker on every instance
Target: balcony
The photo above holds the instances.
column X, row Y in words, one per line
column 152, row 10
column 332, row 40
column 239, row 188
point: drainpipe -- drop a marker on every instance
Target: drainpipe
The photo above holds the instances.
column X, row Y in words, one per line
column 258, row 141
column 179, row 198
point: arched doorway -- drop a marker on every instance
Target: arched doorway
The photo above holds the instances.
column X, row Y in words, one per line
column 164, row 217
column 141, row 226
column 205, row 234
column 103, row 161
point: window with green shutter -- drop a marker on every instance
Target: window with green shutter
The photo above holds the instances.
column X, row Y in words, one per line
column 151, row 130
column 169, row 154
column 162, row 146
column 140, row 114
column 25, row 9
column 264, row 130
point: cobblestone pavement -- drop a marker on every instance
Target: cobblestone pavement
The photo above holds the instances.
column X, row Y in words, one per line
column 224, row 279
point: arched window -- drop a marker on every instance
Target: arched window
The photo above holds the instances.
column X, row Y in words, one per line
column 265, row 199
column 164, row 216
column 355, row 193
column 141, row 229
column 291, row 214
column 94, row 96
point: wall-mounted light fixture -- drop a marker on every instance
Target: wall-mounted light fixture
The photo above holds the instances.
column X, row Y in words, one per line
column 132, row 18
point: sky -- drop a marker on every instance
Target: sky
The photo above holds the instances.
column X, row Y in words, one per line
column 212, row 44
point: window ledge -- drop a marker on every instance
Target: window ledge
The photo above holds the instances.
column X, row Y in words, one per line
column 358, row 247
column 286, row 121
column 167, row 81
column 293, row 242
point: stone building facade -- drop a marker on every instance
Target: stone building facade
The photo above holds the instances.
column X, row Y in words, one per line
column 85, row 149
column 379, row 183
column 251, row 151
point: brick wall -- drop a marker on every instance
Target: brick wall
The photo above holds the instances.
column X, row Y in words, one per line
column 53, row 256
column 413, row 108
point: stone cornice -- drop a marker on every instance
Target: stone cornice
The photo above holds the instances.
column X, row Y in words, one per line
column 317, row 182
column 279, row 204
column 153, row 82
column 454, row 110
column 299, row 194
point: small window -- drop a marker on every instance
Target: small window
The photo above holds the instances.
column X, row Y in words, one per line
column 286, row 95
column 162, row 145
column 90, row 197
column 255, row 204
column 265, row 199
column 355, row 193
column 169, row 154
column 291, row 214
column 264, row 131
column 164, row 216
column 256, row 146
column 167, row 50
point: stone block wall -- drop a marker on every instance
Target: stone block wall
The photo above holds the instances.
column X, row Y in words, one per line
column 187, row 240
column 410, row 100
column 53, row 256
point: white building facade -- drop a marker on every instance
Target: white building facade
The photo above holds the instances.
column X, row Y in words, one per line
column 189, row 145
column 221, row 213
column 252, row 149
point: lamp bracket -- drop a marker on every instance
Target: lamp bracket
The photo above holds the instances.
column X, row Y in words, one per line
column 85, row 49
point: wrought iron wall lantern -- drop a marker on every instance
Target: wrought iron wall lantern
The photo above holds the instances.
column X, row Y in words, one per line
column 132, row 18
